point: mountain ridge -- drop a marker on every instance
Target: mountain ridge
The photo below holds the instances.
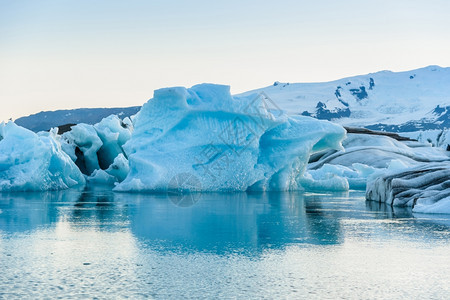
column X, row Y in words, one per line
column 411, row 100
column 46, row 120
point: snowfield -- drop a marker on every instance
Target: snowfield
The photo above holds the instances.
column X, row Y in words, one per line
column 409, row 100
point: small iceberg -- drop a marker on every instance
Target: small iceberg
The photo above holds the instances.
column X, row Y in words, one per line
column 34, row 162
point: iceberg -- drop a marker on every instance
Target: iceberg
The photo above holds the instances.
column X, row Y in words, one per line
column 97, row 149
column 34, row 162
column 203, row 139
column 365, row 156
column 425, row 188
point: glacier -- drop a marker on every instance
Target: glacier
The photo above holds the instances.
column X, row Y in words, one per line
column 437, row 137
column 34, row 162
column 203, row 139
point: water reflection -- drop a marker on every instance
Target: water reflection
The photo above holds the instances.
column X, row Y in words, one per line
column 99, row 244
column 425, row 227
column 387, row 211
column 21, row 212
column 218, row 223
column 236, row 221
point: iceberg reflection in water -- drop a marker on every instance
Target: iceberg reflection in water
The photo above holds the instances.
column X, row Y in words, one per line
column 96, row 243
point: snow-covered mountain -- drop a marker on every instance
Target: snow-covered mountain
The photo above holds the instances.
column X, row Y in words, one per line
column 389, row 101
column 408, row 101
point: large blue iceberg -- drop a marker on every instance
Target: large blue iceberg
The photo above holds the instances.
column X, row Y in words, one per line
column 203, row 139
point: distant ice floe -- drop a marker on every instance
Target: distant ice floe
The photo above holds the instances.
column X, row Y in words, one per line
column 203, row 139
column 34, row 162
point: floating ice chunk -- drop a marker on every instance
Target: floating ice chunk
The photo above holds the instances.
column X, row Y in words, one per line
column 440, row 207
column 119, row 168
column 379, row 151
column 425, row 188
column 31, row 162
column 324, row 181
column 203, row 139
column 101, row 177
column 115, row 173
column 369, row 155
column 337, row 177
column 285, row 150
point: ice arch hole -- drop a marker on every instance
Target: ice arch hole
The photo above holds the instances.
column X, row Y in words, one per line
column 107, row 154
column 103, row 161
column 81, row 162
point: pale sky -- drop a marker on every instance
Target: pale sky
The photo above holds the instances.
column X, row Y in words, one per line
column 60, row 54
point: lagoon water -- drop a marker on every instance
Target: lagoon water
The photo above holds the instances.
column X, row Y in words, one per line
column 100, row 244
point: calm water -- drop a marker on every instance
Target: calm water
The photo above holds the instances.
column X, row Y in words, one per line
column 99, row 244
